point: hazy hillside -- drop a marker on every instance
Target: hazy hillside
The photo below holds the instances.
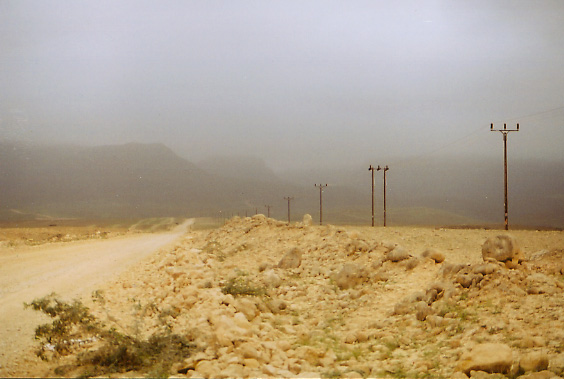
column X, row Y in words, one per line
column 145, row 180
column 239, row 168
column 99, row 181
column 132, row 180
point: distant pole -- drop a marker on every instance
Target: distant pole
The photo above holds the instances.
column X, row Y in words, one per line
column 321, row 186
column 505, row 131
column 256, row 211
column 384, row 169
column 268, row 207
column 372, row 169
column 289, row 199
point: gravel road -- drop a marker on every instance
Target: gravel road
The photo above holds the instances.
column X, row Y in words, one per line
column 72, row 270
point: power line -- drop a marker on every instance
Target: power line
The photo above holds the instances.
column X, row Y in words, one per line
column 436, row 150
column 531, row 115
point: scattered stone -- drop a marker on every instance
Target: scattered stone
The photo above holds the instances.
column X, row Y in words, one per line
column 249, row 350
column 276, row 305
column 271, row 279
column 535, row 361
column 434, row 254
column 422, row 310
column 247, row 307
column 501, row 248
column 467, row 280
column 327, row 316
column 412, row 262
column 402, row 308
column 448, row 269
column 436, row 321
column 540, row 375
column 292, row 259
column 388, row 246
column 488, row 357
column 485, row 268
column 264, row 266
column 398, row 254
column 351, row 275
column 357, row 245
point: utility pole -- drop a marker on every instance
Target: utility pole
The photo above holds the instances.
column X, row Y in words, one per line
column 268, row 207
column 505, row 131
column 372, row 169
column 321, row 186
column 289, row 199
column 385, row 169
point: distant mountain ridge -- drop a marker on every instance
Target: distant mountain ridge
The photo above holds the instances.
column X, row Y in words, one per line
column 150, row 180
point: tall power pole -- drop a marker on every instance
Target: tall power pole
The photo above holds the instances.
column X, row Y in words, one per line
column 505, row 131
column 268, row 208
column 384, row 169
column 289, row 199
column 321, row 186
column 371, row 168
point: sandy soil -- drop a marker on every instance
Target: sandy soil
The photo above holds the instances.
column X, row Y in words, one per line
column 70, row 269
column 417, row 317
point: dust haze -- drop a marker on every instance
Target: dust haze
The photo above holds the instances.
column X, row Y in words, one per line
column 258, row 101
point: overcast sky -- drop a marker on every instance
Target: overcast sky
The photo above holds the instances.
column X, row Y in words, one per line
column 294, row 82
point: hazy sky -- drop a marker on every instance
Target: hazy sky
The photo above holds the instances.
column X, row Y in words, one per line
column 294, row 82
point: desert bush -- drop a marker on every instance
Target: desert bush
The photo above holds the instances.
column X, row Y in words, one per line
column 116, row 352
column 70, row 321
column 241, row 286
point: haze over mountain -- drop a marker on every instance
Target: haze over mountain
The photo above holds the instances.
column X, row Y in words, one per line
column 144, row 180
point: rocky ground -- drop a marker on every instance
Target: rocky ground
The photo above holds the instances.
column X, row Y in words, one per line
column 260, row 298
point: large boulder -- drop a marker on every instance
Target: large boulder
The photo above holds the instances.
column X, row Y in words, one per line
column 488, row 357
column 351, row 275
column 292, row 259
column 501, row 248
column 397, row 254
column 307, row 220
column 434, row 254
column 534, row 361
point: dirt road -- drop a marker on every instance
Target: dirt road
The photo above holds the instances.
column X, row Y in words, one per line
column 71, row 270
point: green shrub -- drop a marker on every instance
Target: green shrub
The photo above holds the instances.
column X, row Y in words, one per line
column 117, row 353
column 240, row 286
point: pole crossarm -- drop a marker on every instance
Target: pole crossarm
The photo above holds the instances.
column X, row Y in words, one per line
column 505, row 132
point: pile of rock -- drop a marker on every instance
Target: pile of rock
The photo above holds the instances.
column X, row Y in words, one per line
column 323, row 301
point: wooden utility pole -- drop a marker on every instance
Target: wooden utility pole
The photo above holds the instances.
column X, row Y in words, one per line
column 372, row 169
column 505, row 131
column 289, row 199
column 268, row 208
column 384, row 169
column 321, row 186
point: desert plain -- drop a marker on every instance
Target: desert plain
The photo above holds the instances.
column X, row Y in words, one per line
column 258, row 297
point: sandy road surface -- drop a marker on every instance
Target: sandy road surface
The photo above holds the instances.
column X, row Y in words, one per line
column 71, row 270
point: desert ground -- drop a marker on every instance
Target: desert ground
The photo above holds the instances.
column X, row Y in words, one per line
column 68, row 259
column 260, row 298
